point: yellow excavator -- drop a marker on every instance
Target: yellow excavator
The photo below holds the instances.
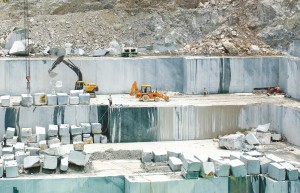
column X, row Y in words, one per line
column 146, row 93
column 80, row 84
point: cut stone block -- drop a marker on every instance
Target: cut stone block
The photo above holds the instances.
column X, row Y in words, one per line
column 53, row 130
column 77, row 138
column 10, row 132
column 7, row 150
column 274, row 158
column 5, row 101
column 43, row 145
column 76, row 130
column 191, row 164
column 78, row 146
column 1, row 168
column 31, row 162
column 54, row 145
column 254, row 153
column 86, row 135
column 272, row 186
column 88, row 140
column 53, row 141
column 51, row 99
column 264, row 165
column 26, row 100
column 12, row 141
column 96, row 128
column 32, row 138
column 54, row 151
column 208, row 169
column 263, row 128
column 202, row 158
column 222, row 168
column 50, row 162
column 62, row 99
column 237, row 168
column 24, row 140
column 84, row 99
column 64, row 130
column 103, row 139
column 263, row 138
column 40, row 133
column 232, row 142
column 276, row 171
column 32, row 144
column 19, row 156
column 11, row 169
column 19, row 147
column 294, row 163
column 251, row 139
column 75, row 93
column 252, row 164
column 147, row 155
column 66, row 139
column 33, row 150
column 276, row 137
column 64, row 164
column 173, row 153
column 291, row 171
column 189, row 175
column 97, row 138
column 78, row 158
column 175, row 164
column 39, row 99
column 86, row 128
column 160, row 156
column 74, row 100
column 7, row 157
column 235, row 155
column 25, row 132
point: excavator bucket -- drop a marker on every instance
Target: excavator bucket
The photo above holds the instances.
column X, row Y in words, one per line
column 52, row 74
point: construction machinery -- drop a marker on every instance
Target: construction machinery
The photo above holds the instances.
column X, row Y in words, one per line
column 145, row 93
column 80, row 84
column 129, row 52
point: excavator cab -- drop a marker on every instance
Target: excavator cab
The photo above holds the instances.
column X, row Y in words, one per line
column 80, row 85
column 146, row 88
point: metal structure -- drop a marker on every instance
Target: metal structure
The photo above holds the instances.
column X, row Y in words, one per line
column 27, row 55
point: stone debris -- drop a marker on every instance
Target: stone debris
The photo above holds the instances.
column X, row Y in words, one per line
column 232, row 142
column 276, row 137
column 19, row 157
column 263, row 128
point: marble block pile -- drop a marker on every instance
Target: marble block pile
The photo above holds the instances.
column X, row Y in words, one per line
column 253, row 138
column 250, row 163
column 76, row 97
column 40, row 149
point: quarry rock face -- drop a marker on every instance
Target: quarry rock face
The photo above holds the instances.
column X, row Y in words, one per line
column 191, row 27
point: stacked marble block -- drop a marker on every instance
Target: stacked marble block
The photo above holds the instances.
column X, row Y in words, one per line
column 274, row 169
column 5, row 101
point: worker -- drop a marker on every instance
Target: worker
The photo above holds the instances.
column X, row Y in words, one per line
column 4, row 141
column 277, row 89
column 205, row 92
column 110, row 100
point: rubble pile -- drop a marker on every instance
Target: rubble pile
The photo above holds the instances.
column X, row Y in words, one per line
column 201, row 27
column 250, row 141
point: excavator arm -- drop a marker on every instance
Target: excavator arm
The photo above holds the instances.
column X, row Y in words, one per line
column 134, row 89
column 69, row 63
